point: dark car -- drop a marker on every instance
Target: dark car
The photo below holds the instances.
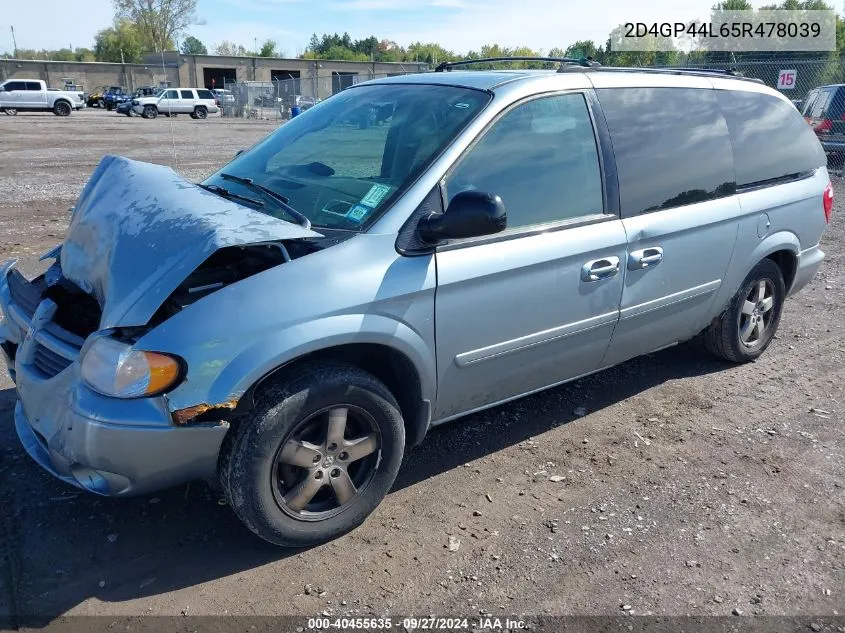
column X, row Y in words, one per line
column 824, row 109
column 114, row 96
column 125, row 105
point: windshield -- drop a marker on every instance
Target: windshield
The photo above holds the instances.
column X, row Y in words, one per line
column 343, row 162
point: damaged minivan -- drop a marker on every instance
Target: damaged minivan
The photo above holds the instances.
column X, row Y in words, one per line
column 409, row 251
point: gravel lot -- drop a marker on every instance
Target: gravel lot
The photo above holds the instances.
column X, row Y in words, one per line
column 672, row 485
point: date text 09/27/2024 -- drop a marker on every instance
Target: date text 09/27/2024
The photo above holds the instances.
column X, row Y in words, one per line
column 416, row 624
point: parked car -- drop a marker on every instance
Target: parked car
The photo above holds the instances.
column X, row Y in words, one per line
column 96, row 99
column 197, row 102
column 32, row 95
column 125, row 107
column 293, row 324
column 115, row 95
column 224, row 98
column 824, row 109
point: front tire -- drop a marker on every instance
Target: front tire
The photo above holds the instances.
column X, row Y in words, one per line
column 101, row 103
column 150, row 112
column 749, row 323
column 318, row 454
column 62, row 108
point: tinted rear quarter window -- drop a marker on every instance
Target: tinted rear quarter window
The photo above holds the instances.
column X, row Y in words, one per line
column 770, row 139
column 671, row 145
column 205, row 94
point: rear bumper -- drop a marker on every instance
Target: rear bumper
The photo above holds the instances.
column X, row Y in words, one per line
column 809, row 262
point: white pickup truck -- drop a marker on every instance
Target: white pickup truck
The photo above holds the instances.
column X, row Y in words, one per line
column 33, row 95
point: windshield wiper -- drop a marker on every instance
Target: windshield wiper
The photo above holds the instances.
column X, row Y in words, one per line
column 303, row 221
column 225, row 193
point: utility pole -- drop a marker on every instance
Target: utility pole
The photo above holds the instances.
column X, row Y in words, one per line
column 14, row 42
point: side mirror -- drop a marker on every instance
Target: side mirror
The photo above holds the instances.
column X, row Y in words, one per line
column 470, row 214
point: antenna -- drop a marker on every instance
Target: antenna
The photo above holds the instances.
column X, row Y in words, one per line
column 14, row 42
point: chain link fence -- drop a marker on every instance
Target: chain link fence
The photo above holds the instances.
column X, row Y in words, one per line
column 792, row 77
column 276, row 100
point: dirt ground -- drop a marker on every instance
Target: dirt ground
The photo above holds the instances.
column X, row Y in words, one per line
column 689, row 486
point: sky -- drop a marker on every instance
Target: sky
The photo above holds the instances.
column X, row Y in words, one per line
column 459, row 25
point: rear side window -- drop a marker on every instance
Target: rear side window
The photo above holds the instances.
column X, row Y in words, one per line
column 672, row 147
column 205, row 94
column 770, row 139
column 33, row 86
column 187, row 94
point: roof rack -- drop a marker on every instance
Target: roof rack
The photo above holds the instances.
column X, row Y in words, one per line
column 585, row 62
column 695, row 72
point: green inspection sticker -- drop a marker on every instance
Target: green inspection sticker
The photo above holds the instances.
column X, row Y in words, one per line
column 375, row 195
column 358, row 212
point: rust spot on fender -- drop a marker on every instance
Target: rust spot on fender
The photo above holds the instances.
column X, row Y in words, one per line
column 185, row 416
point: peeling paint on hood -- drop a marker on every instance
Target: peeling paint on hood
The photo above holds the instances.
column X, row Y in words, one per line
column 138, row 230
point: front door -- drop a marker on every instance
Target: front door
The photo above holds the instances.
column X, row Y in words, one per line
column 537, row 304
column 169, row 102
column 678, row 199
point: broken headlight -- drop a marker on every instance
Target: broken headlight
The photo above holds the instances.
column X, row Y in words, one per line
column 116, row 369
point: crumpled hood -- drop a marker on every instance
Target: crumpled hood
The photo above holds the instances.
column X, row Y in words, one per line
column 138, row 230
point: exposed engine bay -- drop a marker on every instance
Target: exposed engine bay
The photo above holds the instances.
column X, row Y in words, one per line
column 228, row 266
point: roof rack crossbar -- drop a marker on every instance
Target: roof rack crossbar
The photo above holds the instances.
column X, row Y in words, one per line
column 695, row 72
column 583, row 61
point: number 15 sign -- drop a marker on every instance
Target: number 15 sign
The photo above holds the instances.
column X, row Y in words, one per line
column 786, row 79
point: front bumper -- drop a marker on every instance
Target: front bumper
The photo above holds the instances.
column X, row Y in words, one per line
column 104, row 445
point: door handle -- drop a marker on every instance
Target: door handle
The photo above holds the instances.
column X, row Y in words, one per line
column 600, row 269
column 645, row 258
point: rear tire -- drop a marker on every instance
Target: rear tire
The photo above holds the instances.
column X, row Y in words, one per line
column 62, row 108
column 150, row 112
column 747, row 326
column 200, row 112
column 316, row 456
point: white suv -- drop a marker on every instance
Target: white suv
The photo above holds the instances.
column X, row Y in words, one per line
column 198, row 102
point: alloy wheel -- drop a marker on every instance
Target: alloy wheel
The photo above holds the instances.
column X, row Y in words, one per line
column 326, row 462
column 757, row 313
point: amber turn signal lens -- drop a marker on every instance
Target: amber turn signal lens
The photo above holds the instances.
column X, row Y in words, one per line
column 164, row 371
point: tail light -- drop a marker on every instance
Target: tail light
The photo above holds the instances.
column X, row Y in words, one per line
column 826, row 125
column 827, row 202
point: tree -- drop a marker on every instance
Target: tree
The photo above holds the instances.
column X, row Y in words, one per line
column 158, row 22
column 268, row 49
column 84, row 55
column 192, row 46
column 230, row 49
column 119, row 43
column 583, row 48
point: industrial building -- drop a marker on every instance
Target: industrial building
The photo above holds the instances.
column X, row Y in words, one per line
column 318, row 78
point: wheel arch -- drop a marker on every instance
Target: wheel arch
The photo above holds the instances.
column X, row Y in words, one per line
column 392, row 351
column 386, row 363
column 782, row 247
